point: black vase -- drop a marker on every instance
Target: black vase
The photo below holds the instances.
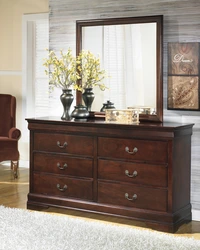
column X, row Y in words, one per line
column 88, row 98
column 66, row 100
column 80, row 113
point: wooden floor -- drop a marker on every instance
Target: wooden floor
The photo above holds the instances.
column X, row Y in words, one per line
column 13, row 193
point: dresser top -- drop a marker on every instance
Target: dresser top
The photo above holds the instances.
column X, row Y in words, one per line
column 100, row 127
column 92, row 121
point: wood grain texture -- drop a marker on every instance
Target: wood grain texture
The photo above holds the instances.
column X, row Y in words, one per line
column 13, row 194
column 181, row 24
column 163, row 208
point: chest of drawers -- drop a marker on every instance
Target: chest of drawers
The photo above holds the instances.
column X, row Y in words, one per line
column 139, row 172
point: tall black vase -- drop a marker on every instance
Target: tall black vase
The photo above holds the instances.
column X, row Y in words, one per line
column 88, row 98
column 66, row 100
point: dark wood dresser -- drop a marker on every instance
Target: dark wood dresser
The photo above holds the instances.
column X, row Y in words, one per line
column 140, row 172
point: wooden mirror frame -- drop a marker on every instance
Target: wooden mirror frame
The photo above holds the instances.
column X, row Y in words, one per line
column 159, row 48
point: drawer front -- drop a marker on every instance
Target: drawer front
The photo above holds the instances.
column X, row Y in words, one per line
column 63, row 143
column 136, row 173
column 64, row 165
column 61, row 186
column 132, row 196
column 142, row 150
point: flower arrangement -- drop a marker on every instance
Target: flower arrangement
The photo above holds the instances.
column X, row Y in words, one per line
column 62, row 71
column 89, row 71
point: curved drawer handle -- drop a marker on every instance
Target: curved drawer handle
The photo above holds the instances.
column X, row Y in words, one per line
column 131, row 199
column 62, row 168
column 135, row 150
column 131, row 175
column 61, row 189
column 62, row 146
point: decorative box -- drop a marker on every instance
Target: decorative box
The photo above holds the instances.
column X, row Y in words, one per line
column 144, row 110
column 125, row 116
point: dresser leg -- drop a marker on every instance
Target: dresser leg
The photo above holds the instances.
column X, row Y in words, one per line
column 36, row 206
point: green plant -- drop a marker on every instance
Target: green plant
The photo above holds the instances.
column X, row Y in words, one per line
column 62, row 71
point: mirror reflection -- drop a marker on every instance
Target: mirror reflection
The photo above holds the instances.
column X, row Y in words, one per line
column 130, row 50
column 128, row 54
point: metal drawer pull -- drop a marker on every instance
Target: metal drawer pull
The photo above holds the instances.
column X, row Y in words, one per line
column 131, row 175
column 62, row 168
column 131, row 152
column 60, row 146
column 61, row 189
column 131, row 199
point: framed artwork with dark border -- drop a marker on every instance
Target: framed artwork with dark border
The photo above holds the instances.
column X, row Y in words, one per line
column 183, row 76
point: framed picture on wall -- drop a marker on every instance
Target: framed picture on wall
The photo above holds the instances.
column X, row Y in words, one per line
column 183, row 76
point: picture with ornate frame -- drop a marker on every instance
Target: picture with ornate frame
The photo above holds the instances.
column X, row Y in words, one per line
column 183, row 76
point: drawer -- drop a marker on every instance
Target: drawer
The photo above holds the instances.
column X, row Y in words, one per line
column 63, row 143
column 135, row 173
column 132, row 196
column 62, row 186
column 64, row 165
column 141, row 150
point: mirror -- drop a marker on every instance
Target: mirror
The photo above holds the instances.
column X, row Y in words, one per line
column 130, row 50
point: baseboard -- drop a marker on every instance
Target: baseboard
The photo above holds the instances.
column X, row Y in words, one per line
column 195, row 215
column 23, row 164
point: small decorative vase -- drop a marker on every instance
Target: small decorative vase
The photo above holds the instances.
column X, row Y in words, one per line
column 107, row 105
column 66, row 100
column 88, row 98
column 80, row 112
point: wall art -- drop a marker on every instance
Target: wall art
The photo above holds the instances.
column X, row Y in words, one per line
column 183, row 76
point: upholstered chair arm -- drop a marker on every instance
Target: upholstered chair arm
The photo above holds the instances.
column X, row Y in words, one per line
column 14, row 133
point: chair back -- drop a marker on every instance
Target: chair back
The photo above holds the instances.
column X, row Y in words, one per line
column 7, row 113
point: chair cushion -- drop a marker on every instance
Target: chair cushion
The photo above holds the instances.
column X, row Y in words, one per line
column 8, row 149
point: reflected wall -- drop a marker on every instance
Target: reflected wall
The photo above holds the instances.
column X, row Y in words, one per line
column 128, row 54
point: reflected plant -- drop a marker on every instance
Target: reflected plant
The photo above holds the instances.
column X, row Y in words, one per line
column 90, row 72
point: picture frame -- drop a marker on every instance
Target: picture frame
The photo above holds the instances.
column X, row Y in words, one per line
column 183, row 76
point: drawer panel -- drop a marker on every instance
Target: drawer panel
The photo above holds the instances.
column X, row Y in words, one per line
column 65, row 165
column 136, row 173
column 145, row 198
column 142, row 150
column 61, row 186
column 63, row 143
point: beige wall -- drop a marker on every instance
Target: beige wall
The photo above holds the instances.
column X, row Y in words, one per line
column 11, row 12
